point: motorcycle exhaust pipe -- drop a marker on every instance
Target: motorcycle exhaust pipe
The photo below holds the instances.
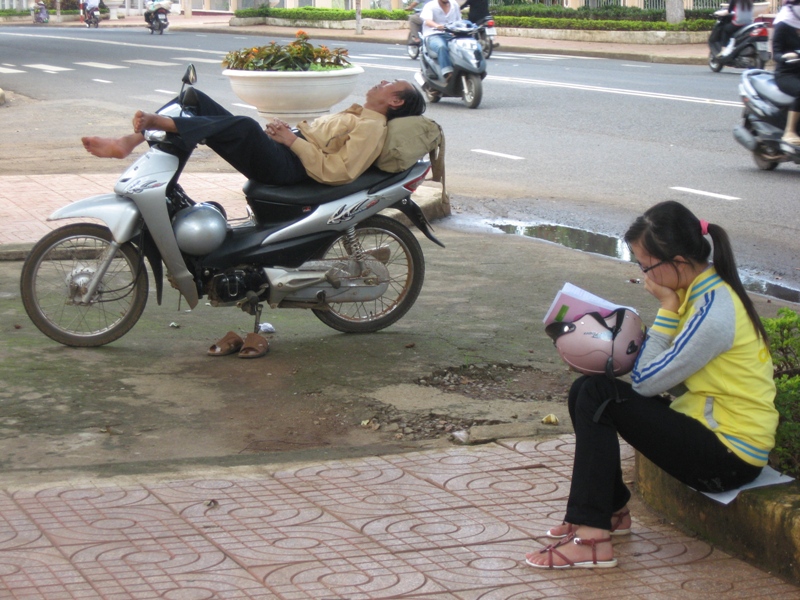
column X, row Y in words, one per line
column 745, row 138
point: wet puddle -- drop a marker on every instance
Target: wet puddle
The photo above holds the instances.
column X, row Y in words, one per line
column 606, row 245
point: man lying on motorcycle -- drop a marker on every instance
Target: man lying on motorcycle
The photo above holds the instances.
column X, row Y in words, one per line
column 435, row 15
column 335, row 149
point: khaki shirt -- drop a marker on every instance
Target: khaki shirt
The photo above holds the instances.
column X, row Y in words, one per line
column 338, row 148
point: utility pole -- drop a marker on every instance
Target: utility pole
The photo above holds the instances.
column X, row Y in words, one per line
column 675, row 12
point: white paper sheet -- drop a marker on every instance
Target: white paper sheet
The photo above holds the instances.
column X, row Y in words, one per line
column 769, row 476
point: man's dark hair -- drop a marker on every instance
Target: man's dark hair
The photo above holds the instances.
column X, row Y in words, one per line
column 413, row 103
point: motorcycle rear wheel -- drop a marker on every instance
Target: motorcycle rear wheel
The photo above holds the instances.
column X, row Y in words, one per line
column 472, row 90
column 487, row 46
column 406, row 265
column 763, row 161
column 714, row 63
column 56, row 269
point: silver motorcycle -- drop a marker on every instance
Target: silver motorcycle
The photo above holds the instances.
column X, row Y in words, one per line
column 312, row 246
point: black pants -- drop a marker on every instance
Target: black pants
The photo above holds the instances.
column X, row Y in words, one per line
column 241, row 142
column 680, row 445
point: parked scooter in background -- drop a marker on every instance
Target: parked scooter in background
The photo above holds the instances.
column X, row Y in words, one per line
column 751, row 46
column 40, row 14
column 469, row 67
column 486, row 35
column 156, row 15
column 765, row 112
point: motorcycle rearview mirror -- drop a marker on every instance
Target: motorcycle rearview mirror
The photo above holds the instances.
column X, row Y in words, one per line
column 190, row 77
column 188, row 96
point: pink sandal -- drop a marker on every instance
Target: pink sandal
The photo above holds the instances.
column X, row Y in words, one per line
column 616, row 520
column 585, row 564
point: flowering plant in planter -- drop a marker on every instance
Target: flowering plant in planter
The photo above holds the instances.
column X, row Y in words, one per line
column 298, row 55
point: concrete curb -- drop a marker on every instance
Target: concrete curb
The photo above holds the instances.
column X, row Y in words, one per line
column 762, row 525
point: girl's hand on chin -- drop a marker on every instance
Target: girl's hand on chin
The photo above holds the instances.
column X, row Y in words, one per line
column 667, row 296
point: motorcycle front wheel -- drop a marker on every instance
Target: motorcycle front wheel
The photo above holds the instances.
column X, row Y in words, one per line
column 472, row 90
column 401, row 254
column 56, row 273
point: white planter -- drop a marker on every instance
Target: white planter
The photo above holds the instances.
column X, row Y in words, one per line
column 113, row 8
column 293, row 95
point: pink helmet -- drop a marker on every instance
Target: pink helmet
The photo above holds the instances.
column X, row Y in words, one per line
column 595, row 345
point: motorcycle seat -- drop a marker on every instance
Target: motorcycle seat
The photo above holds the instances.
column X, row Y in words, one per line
column 767, row 88
column 313, row 192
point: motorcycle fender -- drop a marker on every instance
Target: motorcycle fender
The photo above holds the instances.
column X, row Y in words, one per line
column 119, row 214
column 414, row 213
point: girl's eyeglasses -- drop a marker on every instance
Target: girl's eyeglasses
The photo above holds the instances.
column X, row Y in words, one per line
column 651, row 267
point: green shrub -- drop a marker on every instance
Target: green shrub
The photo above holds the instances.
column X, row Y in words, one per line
column 785, row 457
column 527, row 16
column 784, row 346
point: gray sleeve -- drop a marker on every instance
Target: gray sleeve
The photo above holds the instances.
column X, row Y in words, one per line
column 665, row 363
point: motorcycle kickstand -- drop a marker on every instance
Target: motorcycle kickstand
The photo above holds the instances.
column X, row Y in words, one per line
column 252, row 306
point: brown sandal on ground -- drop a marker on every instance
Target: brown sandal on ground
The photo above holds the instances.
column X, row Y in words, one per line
column 230, row 344
column 255, row 346
column 584, row 564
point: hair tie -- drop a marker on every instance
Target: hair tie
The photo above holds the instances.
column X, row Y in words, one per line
column 703, row 227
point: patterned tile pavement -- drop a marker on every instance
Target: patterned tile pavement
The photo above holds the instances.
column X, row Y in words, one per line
column 27, row 200
column 450, row 524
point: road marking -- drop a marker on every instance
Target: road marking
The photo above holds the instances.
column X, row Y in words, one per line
column 605, row 90
column 102, row 81
column 211, row 61
column 553, row 56
column 702, row 193
column 49, row 68
column 151, row 63
column 499, row 154
column 377, row 56
column 638, row 66
column 101, row 65
column 8, row 71
column 170, row 92
column 581, row 87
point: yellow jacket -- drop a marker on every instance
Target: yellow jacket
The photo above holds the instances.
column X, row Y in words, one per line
column 338, row 148
column 709, row 355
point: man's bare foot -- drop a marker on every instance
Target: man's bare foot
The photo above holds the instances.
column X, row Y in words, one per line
column 143, row 121
column 112, row 147
column 593, row 551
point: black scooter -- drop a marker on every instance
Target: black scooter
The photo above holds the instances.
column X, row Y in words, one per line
column 765, row 112
column 156, row 18
column 750, row 51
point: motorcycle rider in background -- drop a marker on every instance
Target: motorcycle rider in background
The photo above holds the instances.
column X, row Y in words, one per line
column 414, row 22
column 786, row 52
column 478, row 10
column 88, row 7
column 435, row 15
column 739, row 14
